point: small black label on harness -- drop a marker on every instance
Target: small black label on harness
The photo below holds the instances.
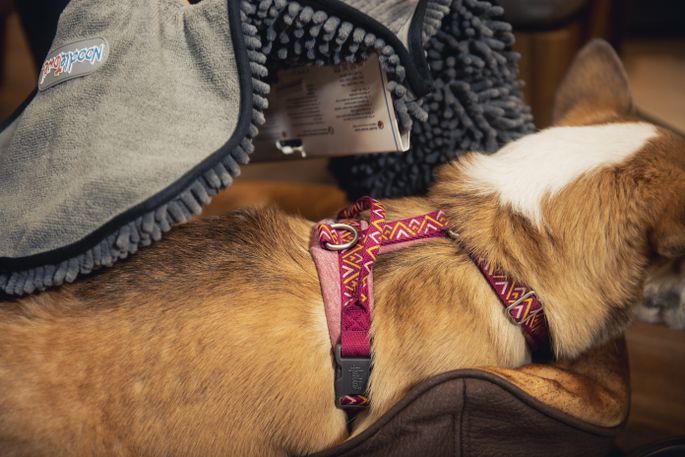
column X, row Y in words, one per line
column 352, row 376
column 72, row 61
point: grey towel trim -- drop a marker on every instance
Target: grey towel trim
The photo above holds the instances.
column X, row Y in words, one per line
column 432, row 20
column 475, row 104
column 277, row 33
column 296, row 33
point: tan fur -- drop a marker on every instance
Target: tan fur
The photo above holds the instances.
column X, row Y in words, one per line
column 590, row 260
column 595, row 89
column 186, row 349
column 214, row 342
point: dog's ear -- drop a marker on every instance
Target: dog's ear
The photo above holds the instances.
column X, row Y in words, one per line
column 595, row 84
column 668, row 237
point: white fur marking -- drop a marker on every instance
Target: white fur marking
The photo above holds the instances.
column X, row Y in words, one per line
column 542, row 164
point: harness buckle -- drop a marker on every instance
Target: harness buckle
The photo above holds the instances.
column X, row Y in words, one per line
column 530, row 315
column 351, row 380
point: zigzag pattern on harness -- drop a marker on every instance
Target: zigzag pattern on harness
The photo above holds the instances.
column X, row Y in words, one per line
column 355, row 265
column 356, row 262
column 522, row 305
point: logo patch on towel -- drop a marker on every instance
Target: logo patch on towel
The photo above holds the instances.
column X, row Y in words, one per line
column 73, row 61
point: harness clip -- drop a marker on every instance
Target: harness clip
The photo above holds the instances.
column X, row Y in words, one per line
column 351, row 378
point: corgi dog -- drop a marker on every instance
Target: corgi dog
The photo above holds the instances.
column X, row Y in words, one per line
column 214, row 341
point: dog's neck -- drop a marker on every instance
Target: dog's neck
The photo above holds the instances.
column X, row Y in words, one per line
column 588, row 284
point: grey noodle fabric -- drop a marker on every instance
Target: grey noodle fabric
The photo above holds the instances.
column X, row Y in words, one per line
column 475, row 105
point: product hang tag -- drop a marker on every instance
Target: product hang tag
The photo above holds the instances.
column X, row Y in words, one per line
column 327, row 111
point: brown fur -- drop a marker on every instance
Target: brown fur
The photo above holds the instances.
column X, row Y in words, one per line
column 214, row 341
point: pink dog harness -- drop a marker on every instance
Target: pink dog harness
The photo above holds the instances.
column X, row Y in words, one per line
column 345, row 250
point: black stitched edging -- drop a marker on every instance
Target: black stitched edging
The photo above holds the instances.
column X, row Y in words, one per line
column 415, row 38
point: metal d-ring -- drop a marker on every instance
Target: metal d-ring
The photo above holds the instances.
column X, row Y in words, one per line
column 508, row 309
column 343, row 246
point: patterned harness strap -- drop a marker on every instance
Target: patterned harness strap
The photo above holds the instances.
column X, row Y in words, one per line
column 358, row 245
column 356, row 257
column 521, row 306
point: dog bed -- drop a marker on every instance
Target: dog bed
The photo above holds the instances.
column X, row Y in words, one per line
column 145, row 110
column 559, row 409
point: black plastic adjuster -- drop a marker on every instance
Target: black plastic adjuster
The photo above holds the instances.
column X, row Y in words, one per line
column 351, row 377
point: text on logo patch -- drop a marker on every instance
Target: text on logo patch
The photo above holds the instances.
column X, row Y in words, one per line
column 71, row 61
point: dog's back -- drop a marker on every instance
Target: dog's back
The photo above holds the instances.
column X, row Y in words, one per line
column 163, row 351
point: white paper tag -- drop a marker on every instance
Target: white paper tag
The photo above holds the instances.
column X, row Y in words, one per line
column 330, row 111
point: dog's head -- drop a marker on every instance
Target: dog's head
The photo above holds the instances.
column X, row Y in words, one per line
column 596, row 92
column 581, row 208
column 640, row 198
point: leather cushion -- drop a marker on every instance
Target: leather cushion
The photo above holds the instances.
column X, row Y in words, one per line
column 480, row 413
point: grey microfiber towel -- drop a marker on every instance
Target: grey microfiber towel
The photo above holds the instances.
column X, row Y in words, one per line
column 145, row 110
column 474, row 105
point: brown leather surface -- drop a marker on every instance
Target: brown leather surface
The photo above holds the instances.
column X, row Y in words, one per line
column 537, row 410
column 540, row 14
column 471, row 413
